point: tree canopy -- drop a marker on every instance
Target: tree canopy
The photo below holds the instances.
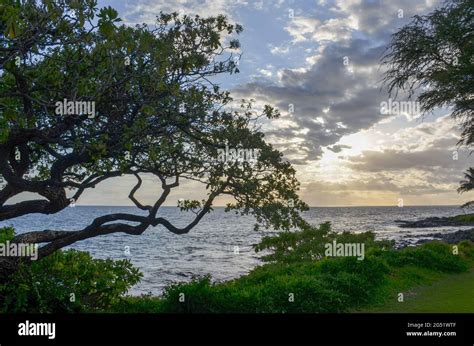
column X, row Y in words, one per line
column 155, row 111
column 467, row 185
column 433, row 58
column 434, row 55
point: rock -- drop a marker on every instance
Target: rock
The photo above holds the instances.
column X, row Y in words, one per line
column 450, row 238
column 433, row 222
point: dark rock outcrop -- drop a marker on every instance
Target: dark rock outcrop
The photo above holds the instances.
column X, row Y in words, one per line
column 447, row 237
column 433, row 222
column 450, row 238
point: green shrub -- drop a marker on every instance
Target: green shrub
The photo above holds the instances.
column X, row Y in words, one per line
column 67, row 281
column 331, row 285
column 466, row 249
column 137, row 304
column 188, row 297
column 361, row 281
column 316, row 283
column 201, row 296
column 6, row 234
column 309, row 244
column 433, row 255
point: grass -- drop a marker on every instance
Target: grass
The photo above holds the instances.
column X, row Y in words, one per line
column 448, row 294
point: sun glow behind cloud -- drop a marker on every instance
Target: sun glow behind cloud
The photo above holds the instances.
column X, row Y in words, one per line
column 345, row 152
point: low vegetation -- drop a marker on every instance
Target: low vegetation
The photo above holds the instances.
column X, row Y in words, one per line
column 463, row 218
column 297, row 277
column 66, row 281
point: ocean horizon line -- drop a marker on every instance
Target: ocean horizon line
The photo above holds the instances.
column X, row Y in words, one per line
column 312, row 206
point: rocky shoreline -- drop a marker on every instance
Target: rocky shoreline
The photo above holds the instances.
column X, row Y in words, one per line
column 433, row 222
column 450, row 238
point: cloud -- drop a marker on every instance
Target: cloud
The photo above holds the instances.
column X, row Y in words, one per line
column 334, row 93
column 267, row 72
column 379, row 189
column 145, row 11
column 279, row 50
column 426, row 146
column 396, row 160
column 329, row 100
column 420, row 163
column 371, row 184
column 340, row 91
column 310, row 28
column 338, row 148
column 380, row 18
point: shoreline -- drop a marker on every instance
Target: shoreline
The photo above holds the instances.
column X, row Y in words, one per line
column 450, row 237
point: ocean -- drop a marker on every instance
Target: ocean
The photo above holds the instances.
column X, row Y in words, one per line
column 221, row 244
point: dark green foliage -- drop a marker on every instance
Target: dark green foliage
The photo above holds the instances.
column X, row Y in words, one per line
column 6, row 234
column 137, row 304
column 464, row 218
column 466, row 185
column 48, row 285
column 432, row 58
column 309, row 243
column 158, row 111
column 434, row 255
column 436, row 52
column 335, row 285
column 327, row 284
column 317, row 283
column 311, row 294
column 466, row 249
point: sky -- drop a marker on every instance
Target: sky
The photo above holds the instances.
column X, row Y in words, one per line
column 318, row 62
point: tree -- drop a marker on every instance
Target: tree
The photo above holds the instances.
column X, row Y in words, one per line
column 467, row 185
column 433, row 58
column 140, row 101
